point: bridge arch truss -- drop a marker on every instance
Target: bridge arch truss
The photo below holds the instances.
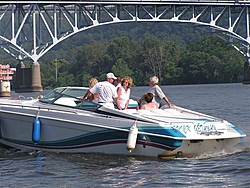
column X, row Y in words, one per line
column 51, row 22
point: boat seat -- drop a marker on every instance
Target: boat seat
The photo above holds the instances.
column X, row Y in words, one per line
column 66, row 101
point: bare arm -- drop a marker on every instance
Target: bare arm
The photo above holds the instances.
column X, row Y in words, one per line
column 141, row 99
column 86, row 96
column 119, row 91
column 139, row 102
column 115, row 100
column 167, row 101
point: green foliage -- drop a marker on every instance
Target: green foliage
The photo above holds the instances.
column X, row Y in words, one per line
column 210, row 61
column 161, row 57
column 207, row 61
column 121, row 68
column 176, row 54
column 56, row 73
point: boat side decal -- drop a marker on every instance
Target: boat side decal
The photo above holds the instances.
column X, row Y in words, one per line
column 100, row 139
column 168, row 131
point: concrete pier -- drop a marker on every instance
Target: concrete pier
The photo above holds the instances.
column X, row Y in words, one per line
column 36, row 85
column 28, row 79
column 246, row 79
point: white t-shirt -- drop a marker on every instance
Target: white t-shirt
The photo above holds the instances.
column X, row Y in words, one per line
column 105, row 90
column 124, row 97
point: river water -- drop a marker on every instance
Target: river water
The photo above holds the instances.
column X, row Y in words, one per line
column 227, row 101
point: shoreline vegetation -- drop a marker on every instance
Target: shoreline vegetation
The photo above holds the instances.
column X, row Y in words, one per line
column 206, row 62
column 176, row 55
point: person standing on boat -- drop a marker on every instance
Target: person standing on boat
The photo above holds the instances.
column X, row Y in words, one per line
column 149, row 104
column 117, row 82
column 156, row 91
column 106, row 91
column 124, row 93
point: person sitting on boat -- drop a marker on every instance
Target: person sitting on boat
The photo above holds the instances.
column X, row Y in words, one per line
column 92, row 97
column 149, row 104
column 156, row 91
column 124, row 93
column 107, row 93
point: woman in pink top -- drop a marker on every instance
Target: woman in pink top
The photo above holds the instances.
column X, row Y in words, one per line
column 123, row 93
column 149, row 104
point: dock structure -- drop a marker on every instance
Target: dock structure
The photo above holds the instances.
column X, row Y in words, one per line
column 5, row 76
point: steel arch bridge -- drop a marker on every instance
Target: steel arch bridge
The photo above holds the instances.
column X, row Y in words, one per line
column 51, row 22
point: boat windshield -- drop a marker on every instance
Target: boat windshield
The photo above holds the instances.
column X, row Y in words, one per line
column 70, row 96
column 64, row 94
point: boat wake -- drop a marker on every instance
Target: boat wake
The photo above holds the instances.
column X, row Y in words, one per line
column 220, row 154
column 12, row 152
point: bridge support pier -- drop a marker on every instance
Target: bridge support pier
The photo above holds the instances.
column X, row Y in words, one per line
column 36, row 85
column 28, row 79
column 246, row 79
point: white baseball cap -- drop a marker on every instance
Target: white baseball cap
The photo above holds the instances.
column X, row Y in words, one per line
column 111, row 75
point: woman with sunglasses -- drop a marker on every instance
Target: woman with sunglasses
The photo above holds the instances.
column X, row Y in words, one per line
column 123, row 93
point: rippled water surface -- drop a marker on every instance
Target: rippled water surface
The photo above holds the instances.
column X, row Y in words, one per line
column 227, row 101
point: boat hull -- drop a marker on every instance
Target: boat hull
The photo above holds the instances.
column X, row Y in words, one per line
column 77, row 135
column 190, row 148
column 59, row 122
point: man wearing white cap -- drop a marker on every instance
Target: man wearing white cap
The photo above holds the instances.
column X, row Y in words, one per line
column 106, row 91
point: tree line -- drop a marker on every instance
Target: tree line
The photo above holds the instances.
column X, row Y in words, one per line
column 206, row 61
column 175, row 53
